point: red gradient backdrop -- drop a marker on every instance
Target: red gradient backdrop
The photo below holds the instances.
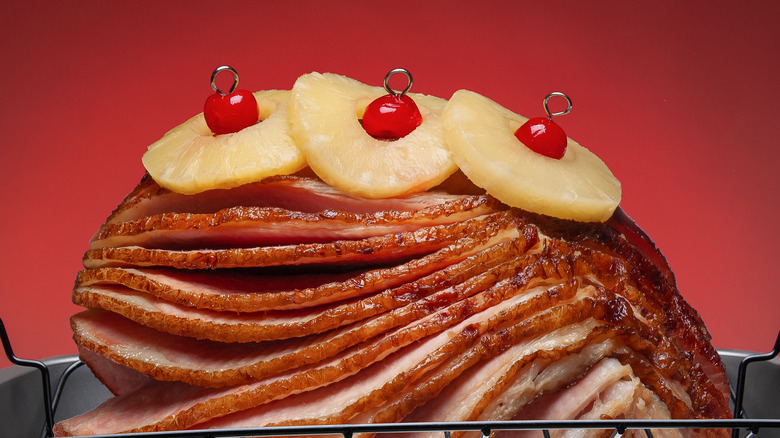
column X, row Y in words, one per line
column 678, row 98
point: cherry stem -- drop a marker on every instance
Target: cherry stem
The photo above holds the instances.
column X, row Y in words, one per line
column 394, row 71
column 560, row 113
column 219, row 69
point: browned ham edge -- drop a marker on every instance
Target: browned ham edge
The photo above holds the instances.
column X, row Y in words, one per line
column 208, row 363
column 253, row 291
column 641, row 260
column 363, row 283
column 305, row 193
column 248, row 227
column 652, row 298
column 385, row 249
column 260, row 326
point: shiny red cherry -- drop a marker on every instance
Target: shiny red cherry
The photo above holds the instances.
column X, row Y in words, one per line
column 226, row 113
column 391, row 117
column 231, row 111
column 394, row 115
column 543, row 136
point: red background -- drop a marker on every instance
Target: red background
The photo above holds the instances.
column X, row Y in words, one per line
column 678, row 98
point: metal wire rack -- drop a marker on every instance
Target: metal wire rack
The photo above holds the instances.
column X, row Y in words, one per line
column 740, row 425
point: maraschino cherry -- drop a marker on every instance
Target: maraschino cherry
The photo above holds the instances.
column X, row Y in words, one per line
column 394, row 115
column 229, row 112
column 544, row 136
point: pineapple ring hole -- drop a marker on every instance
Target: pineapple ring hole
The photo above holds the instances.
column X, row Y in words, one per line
column 360, row 109
column 265, row 107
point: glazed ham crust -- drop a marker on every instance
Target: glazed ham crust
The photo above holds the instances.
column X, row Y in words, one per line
column 258, row 306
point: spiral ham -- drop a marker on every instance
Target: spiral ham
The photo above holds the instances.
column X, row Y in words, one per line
column 286, row 302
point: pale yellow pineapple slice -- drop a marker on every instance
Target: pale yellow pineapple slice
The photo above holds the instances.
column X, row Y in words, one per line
column 190, row 158
column 480, row 134
column 325, row 112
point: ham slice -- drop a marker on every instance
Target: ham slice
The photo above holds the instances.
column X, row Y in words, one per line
column 574, row 400
column 386, row 249
column 117, row 378
column 625, row 398
column 300, row 192
column 247, row 227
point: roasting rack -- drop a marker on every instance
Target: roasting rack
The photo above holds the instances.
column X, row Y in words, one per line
column 737, row 363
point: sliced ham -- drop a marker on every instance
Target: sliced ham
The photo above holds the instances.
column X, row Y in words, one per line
column 439, row 394
column 209, row 363
column 561, row 372
column 624, row 399
column 285, row 302
column 117, row 378
column 519, row 385
column 248, row 227
column 186, row 406
column 454, row 349
column 384, row 249
column 572, row 401
column 353, row 398
column 300, row 192
column 500, row 386
column 650, row 272
column 462, row 398
column 248, row 292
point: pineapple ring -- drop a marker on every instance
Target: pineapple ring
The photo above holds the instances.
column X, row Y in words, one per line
column 191, row 159
column 324, row 113
column 480, row 134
